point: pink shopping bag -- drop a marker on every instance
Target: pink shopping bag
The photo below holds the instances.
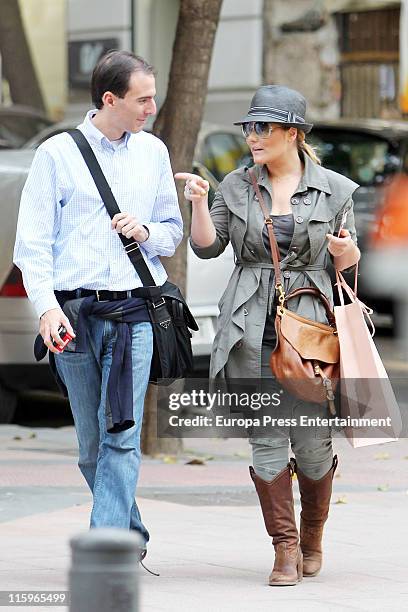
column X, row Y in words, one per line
column 366, row 391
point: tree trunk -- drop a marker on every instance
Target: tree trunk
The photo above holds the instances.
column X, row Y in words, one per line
column 17, row 63
column 178, row 124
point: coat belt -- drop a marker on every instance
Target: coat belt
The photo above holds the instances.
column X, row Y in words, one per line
column 269, row 266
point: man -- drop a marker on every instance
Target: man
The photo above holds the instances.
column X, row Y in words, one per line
column 67, row 248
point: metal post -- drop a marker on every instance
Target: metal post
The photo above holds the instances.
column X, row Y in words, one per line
column 104, row 571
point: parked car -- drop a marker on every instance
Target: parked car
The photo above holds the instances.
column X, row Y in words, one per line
column 370, row 152
column 218, row 147
column 18, row 124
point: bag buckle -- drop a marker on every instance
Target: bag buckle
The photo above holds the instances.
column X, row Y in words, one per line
column 133, row 246
column 281, row 290
column 160, row 303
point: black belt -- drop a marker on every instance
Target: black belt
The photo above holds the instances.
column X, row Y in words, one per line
column 102, row 295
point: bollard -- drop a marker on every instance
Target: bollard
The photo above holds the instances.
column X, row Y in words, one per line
column 104, row 571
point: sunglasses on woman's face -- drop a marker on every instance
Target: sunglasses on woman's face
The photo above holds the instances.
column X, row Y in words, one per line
column 262, row 129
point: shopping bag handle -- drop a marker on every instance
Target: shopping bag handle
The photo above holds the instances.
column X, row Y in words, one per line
column 341, row 285
column 352, row 294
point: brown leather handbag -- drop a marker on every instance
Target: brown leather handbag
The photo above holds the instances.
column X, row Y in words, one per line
column 306, row 359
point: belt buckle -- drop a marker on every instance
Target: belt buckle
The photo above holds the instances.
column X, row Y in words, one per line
column 97, row 295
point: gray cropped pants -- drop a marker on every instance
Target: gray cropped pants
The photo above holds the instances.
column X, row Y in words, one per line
column 312, row 446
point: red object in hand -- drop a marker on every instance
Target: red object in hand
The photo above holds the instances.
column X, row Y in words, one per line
column 65, row 337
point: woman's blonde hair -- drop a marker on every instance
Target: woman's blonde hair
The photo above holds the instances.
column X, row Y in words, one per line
column 305, row 147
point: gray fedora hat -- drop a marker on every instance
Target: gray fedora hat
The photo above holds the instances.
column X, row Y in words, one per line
column 278, row 104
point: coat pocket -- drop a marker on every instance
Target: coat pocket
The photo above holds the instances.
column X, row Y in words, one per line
column 322, row 221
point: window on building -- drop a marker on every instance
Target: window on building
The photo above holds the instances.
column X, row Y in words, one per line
column 369, row 46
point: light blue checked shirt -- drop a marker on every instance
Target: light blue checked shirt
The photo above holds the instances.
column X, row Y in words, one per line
column 64, row 237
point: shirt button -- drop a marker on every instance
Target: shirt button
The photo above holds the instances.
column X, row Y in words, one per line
column 299, row 219
column 238, row 344
column 286, row 274
column 295, row 200
column 245, row 312
column 307, row 201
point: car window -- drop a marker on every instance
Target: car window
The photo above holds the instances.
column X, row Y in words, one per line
column 222, row 153
column 364, row 158
column 17, row 129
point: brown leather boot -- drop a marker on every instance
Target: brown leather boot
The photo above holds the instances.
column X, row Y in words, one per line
column 315, row 499
column 276, row 498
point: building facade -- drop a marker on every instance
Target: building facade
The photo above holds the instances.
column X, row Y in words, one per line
column 343, row 55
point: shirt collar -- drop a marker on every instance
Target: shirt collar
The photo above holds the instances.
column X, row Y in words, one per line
column 313, row 176
column 94, row 135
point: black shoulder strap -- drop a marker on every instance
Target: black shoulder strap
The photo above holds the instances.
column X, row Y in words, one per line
column 131, row 247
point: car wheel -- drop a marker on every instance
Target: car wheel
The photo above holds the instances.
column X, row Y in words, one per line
column 8, row 403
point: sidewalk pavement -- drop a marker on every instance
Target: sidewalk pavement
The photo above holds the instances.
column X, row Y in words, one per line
column 208, row 538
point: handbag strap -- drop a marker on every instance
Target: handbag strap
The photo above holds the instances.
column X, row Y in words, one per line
column 315, row 293
column 131, row 247
column 269, row 226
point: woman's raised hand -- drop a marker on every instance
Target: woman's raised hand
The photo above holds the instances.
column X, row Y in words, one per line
column 343, row 249
column 196, row 188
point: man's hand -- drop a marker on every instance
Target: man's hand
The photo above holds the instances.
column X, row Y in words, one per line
column 50, row 321
column 127, row 225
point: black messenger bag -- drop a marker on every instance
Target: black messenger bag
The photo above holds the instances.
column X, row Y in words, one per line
column 169, row 314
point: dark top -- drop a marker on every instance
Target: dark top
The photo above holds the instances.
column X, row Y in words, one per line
column 283, row 228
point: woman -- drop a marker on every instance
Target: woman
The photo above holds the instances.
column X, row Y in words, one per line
column 308, row 204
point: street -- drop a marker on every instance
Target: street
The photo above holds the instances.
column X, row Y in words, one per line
column 208, row 541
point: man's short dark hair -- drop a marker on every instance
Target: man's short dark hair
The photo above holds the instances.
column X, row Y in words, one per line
column 112, row 73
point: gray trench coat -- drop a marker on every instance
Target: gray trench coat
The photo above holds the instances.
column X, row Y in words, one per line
column 318, row 204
